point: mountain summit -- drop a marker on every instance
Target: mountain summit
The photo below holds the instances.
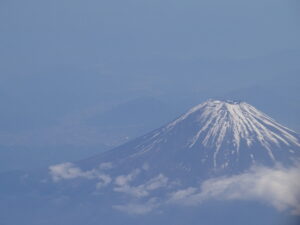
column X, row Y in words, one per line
column 233, row 128
column 215, row 137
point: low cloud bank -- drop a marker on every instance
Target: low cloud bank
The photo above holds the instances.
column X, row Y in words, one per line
column 278, row 187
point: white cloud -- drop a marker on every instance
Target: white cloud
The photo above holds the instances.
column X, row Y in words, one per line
column 279, row 187
column 103, row 180
column 183, row 194
column 156, row 182
column 125, row 179
column 142, row 190
column 67, row 171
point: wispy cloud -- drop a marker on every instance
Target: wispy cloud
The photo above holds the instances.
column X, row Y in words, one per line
column 142, row 190
column 104, row 180
column 68, row 171
column 138, row 208
column 123, row 180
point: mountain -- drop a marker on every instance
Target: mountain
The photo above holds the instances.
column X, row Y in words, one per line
column 219, row 163
column 213, row 138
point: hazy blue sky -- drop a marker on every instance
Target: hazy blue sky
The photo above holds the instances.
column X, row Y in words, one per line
column 63, row 57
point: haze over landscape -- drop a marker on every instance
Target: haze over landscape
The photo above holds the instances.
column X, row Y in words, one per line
column 90, row 92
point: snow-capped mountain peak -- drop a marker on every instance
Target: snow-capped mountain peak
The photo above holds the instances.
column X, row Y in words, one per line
column 239, row 120
column 228, row 128
column 214, row 136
